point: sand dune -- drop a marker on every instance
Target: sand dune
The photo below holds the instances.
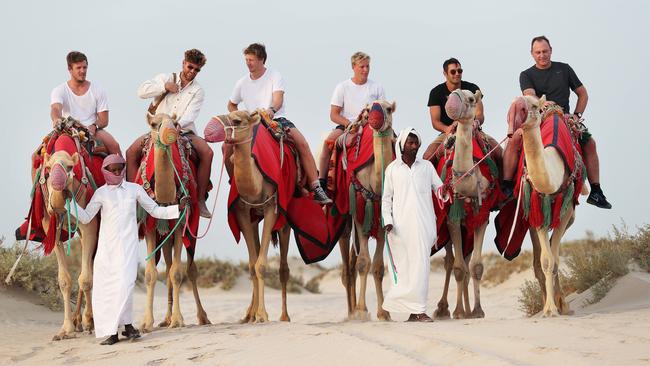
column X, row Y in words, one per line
column 613, row 331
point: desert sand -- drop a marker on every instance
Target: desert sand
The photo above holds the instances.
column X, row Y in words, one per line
column 614, row 331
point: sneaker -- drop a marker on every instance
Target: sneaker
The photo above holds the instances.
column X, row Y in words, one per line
column 203, row 210
column 321, row 197
column 598, row 199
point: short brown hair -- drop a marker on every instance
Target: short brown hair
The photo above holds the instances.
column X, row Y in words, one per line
column 196, row 57
column 450, row 61
column 539, row 39
column 358, row 57
column 75, row 56
column 256, row 49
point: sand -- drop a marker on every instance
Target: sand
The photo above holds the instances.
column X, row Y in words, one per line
column 614, row 331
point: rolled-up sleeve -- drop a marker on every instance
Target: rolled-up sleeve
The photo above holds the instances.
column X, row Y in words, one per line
column 153, row 87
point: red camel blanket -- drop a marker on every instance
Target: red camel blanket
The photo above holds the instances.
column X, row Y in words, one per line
column 467, row 211
column 349, row 197
column 536, row 209
column 37, row 211
column 304, row 215
column 187, row 172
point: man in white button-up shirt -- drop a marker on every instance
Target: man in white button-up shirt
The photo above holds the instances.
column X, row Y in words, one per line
column 179, row 96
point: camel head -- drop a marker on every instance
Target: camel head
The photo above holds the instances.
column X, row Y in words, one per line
column 379, row 115
column 60, row 178
column 233, row 128
column 165, row 126
column 525, row 112
column 461, row 105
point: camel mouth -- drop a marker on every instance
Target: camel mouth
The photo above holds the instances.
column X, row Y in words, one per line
column 376, row 116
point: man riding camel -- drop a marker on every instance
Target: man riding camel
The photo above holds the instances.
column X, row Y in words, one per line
column 181, row 96
column 348, row 100
column 555, row 79
column 263, row 88
column 440, row 121
column 84, row 101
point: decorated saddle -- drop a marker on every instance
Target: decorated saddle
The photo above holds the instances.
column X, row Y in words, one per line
column 72, row 137
column 303, row 214
column 470, row 212
column 539, row 210
column 184, row 177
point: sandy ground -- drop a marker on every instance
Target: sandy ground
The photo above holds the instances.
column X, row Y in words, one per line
column 614, row 331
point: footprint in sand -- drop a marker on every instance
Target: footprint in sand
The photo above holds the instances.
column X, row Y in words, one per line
column 201, row 357
column 156, row 362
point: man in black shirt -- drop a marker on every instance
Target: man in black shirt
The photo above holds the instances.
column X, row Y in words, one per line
column 555, row 79
column 440, row 121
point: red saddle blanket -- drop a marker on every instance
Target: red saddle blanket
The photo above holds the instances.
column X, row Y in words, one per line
column 358, row 156
column 541, row 210
column 37, row 211
column 303, row 214
column 187, row 175
column 468, row 212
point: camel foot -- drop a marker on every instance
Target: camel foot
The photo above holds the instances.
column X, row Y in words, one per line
column 261, row 317
column 459, row 314
column 78, row 324
column 165, row 323
column 383, row 315
column 176, row 322
column 147, row 325
column 63, row 334
column 550, row 313
column 477, row 313
column 442, row 312
column 285, row 318
column 89, row 325
column 361, row 315
column 202, row 318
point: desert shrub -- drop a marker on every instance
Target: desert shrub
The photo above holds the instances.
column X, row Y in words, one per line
column 313, row 285
column 639, row 246
column 211, row 272
column 530, row 299
column 498, row 269
column 272, row 280
column 596, row 260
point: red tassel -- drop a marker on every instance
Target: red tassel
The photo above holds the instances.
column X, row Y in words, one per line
column 535, row 217
column 557, row 207
column 50, row 237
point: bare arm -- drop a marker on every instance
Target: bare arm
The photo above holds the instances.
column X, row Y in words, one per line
column 434, row 112
column 583, row 97
column 277, row 99
column 232, row 106
column 102, row 119
column 56, row 112
column 336, row 117
column 530, row 92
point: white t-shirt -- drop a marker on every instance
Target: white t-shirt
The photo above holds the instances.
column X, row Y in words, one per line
column 83, row 108
column 353, row 98
column 259, row 93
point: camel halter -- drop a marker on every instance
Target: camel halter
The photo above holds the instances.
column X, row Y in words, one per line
column 234, row 129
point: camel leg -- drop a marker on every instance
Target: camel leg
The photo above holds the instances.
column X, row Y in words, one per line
column 65, row 285
column 353, row 269
column 363, row 268
column 459, row 268
column 548, row 265
column 377, row 269
column 76, row 316
column 251, row 236
column 537, row 263
column 466, row 277
column 476, row 268
column 167, row 255
column 346, row 275
column 192, row 274
column 556, row 239
column 150, row 278
column 284, row 270
column 88, row 248
column 442, row 312
column 177, row 279
column 270, row 216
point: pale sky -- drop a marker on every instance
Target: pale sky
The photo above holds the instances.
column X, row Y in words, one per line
column 310, row 44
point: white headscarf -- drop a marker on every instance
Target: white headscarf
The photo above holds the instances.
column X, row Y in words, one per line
column 401, row 140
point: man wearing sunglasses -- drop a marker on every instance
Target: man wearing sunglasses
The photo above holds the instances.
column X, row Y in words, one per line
column 555, row 80
column 181, row 96
column 440, row 121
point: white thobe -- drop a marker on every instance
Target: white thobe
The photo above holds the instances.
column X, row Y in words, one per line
column 116, row 262
column 407, row 204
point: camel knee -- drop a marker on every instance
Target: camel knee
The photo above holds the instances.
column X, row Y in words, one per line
column 65, row 283
column 175, row 275
column 378, row 271
column 150, row 276
column 260, row 271
column 477, row 271
column 85, row 284
column 459, row 274
column 192, row 272
column 284, row 273
column 363, row 265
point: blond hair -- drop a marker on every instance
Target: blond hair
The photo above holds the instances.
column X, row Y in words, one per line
column 359, row 56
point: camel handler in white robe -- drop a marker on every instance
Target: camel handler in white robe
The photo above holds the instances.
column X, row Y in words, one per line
column 409, row 220
column 116, row 262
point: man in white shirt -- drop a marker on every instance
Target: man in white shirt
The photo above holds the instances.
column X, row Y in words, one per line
column 410, row 221
column 264, row 88
column 84, row 101
column 181, row 96
column 349, row 98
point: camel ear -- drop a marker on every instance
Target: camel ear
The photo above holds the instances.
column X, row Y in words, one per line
column 542, row 101
column 393, row 106
column 478, row 95
column 149, row 118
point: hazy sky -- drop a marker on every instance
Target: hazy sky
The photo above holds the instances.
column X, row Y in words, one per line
column 310, row 43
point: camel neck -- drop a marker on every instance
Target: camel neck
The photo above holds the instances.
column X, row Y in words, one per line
column 464, row 157
column 165, row 187
column 383, row 152
column 247, row 176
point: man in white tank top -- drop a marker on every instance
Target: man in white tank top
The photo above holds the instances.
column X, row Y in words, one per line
column 84, row 101
column 263, row 88
column 348, row 100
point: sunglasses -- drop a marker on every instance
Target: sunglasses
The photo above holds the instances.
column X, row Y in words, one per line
column 454, row 71
column 194, row 68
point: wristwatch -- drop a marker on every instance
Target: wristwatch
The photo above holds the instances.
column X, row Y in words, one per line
column 274, row 110
column 578, row 114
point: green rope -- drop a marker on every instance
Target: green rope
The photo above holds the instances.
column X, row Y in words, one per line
column 180, row 219
column 71, row 233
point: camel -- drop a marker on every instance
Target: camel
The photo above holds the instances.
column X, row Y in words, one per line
column 548, row 174
column 255, row 194
column 463, row 108
column 164, row 134
column 370, row 177
column 59, row 185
